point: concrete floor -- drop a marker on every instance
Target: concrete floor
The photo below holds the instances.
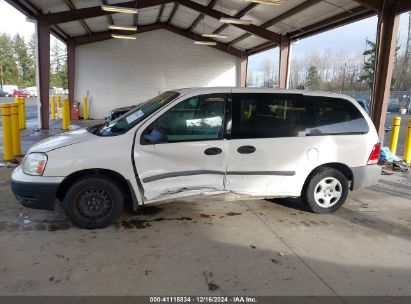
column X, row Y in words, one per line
column 211, row 247
column 214, row 248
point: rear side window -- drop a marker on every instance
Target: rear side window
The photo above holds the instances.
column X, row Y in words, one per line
column 267, row 115
column 328, row 116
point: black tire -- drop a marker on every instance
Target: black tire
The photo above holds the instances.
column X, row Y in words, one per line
column 315, row 195
column 85, row 197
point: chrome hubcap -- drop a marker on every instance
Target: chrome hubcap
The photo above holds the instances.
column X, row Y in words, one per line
column 327, row 192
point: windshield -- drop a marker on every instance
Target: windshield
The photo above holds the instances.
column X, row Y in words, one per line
column 127, row 121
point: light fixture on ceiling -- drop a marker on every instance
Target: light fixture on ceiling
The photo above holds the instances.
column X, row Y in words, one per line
column 119, row 9
column 123, row 37
column 273, row 2
column 209, row 43
column 214, row 36
column 235, row 21
column 122, row 28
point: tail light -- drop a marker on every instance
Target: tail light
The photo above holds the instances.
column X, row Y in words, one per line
column 375, row 154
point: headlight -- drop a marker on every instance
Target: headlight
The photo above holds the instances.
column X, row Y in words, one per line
column 34, row 163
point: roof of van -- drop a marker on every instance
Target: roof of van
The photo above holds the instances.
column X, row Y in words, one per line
column 204, row 90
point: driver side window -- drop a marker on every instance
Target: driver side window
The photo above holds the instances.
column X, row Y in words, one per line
column 197, row 118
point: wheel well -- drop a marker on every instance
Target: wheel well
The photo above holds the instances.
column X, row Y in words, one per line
column 114, row 176
column 344, row 169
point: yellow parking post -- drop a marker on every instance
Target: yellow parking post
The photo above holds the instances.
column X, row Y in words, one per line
column 407, row 151
column 7, row 136
column 52, row 108
column 15, row 128
column 66, row 114
column 394, row 135
column 85, row 108
column 18, row 101
column 58, row 102
column 22, row 112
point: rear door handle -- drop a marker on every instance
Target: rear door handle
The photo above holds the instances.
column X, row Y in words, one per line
column 212, row 151
column 246, row 149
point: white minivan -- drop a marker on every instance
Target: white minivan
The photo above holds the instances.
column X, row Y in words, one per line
column 261, row 143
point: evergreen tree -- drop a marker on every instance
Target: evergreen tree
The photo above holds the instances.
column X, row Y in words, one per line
column 8, row 66
column 369, row 63
column 23, row 60
column 58, row 71
column 313, row 78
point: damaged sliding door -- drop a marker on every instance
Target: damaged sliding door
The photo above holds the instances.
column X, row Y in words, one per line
column 183, row 151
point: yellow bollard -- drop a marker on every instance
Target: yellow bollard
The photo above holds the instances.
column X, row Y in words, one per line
column 7, row 136
column 407, row 150
column 22, row 112
column 85, row 108
column 15, row 128
column 58, row 102
column 52, row 108
column 17, row 100
column 66, row 114
column 394, row 135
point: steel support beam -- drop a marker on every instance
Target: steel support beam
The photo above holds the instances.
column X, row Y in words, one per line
column 375, row 5
column 71, row 63
column 239, row 15
column 94, row 11
column 243, row 71
column 43, row 64
column 190, row 35
column 295, row 10
column 173, row 13
column 387, row 32
column 200, row 16
column 285, row 54
column 96, row 37
column 252, row 28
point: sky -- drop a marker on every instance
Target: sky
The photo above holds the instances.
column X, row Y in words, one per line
column 349, row 38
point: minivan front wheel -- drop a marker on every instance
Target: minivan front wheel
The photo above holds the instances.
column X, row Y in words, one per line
column 93, row 202
column 327, row 191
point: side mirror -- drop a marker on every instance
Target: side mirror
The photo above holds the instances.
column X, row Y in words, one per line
column 155, row 136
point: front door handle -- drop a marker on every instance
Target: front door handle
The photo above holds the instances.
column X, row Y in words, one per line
column 212, row 151
column 246, row 149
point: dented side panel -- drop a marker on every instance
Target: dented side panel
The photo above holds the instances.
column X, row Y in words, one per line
column 179, row 169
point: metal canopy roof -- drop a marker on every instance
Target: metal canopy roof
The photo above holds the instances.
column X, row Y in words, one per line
column 83, row 21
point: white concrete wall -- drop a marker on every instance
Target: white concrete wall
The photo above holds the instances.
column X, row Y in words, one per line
column 124, row 72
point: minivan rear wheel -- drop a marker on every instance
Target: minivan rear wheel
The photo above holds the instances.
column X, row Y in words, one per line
column 326, row 191
column 93, row 202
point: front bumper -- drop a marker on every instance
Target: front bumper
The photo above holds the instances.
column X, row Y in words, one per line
column 365, row 176
column 35, row 195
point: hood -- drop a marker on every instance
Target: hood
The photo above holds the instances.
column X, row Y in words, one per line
column 62, row 140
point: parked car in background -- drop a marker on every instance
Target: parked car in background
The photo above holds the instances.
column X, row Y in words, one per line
column 9, row 89
column 365, row 104
column 59, row 91
column 32, row 91
column 113, row 114
column 21, row 93
column 393, row 105
column 2, row 93
column 206, row 141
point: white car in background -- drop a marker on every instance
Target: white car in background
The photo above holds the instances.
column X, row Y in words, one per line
column 255, row 143
column 32, row 91
column 9, row 89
